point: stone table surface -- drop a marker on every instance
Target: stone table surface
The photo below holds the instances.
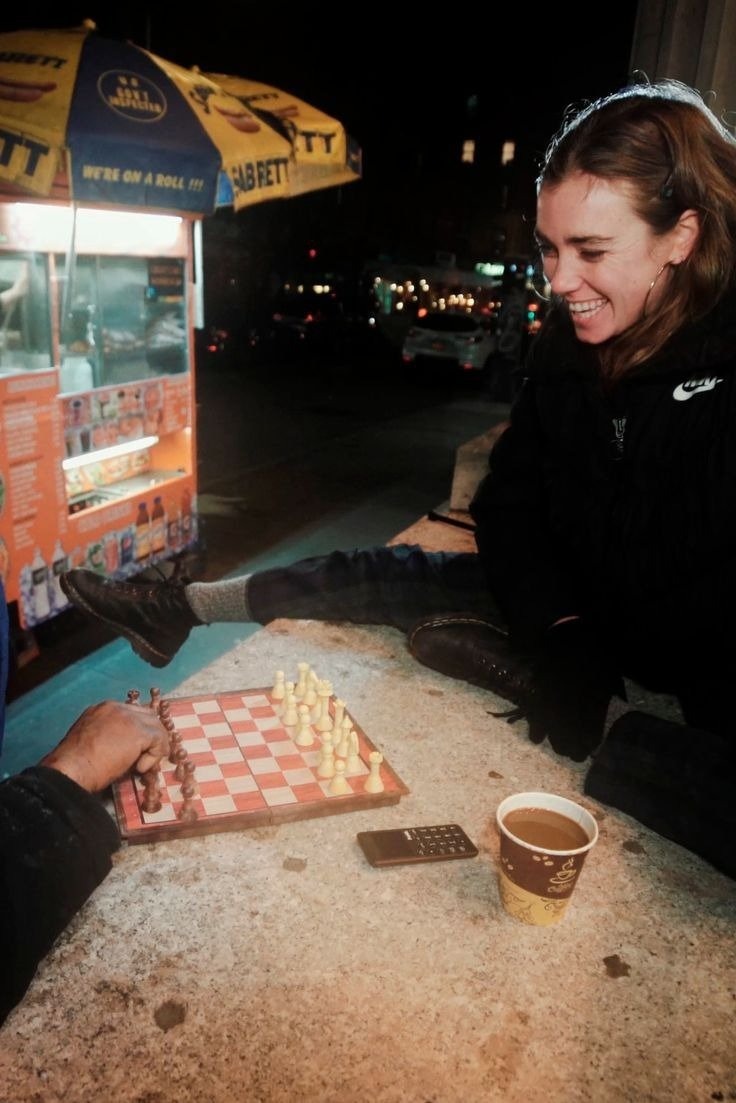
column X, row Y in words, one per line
column 274, row 964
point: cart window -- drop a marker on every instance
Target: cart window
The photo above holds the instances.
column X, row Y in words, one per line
column 25, row 334
column 123, row 319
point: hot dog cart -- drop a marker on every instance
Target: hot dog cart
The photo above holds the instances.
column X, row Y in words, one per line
column 97, row 432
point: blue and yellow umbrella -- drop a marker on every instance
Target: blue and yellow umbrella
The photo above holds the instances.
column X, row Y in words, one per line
column 95, row 120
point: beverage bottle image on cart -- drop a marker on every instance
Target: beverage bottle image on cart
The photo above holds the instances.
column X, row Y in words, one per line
column 185, row 520
column 173, row 534
column 59, row 564
column 40, row 587
column 158, row 527
column 142, row 537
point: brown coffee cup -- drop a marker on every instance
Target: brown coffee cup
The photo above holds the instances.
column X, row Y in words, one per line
column 545, row 840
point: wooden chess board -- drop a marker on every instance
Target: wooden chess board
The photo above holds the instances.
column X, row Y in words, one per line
column 248, row 771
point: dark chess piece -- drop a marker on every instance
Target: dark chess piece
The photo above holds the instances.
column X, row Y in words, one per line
column 180, row 758
column 151, row 791
column 188, row 813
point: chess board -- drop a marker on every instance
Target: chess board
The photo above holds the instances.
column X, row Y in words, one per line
column 248, row 772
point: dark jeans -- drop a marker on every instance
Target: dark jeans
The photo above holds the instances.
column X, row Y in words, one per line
column 383, row 585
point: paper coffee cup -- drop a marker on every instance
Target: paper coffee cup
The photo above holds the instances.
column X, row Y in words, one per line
column 545, row 840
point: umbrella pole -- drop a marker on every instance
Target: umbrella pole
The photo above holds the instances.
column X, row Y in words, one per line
column 69, row 277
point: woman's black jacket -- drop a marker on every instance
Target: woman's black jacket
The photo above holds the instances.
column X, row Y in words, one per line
column 620, row 507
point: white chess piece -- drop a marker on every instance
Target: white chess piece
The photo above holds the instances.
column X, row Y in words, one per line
column 339, row 785
column 324, row 720
column 373, row 783
column 310, row 696
column 304, row 736
column 353, row 763
column 339, row 712
column 343, row 747
column 279, row 686
column 300, row 689
column 326, row 765
column 290, row 717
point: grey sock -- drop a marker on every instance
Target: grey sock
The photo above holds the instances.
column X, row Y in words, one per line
column 220, row 601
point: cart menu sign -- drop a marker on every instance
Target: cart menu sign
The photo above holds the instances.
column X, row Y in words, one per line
column 33, row 512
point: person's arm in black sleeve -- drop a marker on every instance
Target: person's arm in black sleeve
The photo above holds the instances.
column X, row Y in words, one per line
column 57, row 839
column 56, row 842
column 512, row 533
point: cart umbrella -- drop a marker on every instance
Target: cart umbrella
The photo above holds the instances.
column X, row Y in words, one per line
column 324, row 154
column 99, row 121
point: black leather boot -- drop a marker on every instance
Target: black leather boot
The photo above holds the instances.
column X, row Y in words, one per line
column 154, row 617
column 464, row 646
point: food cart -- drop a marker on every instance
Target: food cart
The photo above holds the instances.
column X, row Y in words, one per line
column 110, row 158
column 97, row 428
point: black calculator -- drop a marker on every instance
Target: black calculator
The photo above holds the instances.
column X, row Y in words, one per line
column 399, row 845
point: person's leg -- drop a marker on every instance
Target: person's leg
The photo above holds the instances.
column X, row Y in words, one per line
column 675, row 779
column 382, row 585
column 708, row 703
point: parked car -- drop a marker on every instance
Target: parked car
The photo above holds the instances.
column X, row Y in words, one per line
column 465, row 339
column 306, row 318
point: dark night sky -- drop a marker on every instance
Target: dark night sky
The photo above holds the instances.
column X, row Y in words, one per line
column 400, row 83
column 394, row 80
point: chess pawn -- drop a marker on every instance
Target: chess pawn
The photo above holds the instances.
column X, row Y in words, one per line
column 189, row 778
column 174, row 743
column 353, row 763
column 187, row 813
column 339, row 785
column 279, row 686
column 133, row 696
column 373, row 783
column 151, row 792
column 304, row 736
column 290, row 717
column 180, row 758
column 326, row 765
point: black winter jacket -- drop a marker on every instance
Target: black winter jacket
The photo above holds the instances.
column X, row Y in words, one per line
column 620, row 507
column 56, row 842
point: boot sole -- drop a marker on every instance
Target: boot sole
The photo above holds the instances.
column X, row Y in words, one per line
column 139, row 644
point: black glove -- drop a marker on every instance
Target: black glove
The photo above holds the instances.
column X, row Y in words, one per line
column 573, row 681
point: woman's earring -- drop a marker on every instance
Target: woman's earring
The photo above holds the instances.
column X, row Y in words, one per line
column 540, row 286
column 651, row 287
column 659, row 273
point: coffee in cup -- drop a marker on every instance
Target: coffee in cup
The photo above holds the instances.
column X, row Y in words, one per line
column 545, row 840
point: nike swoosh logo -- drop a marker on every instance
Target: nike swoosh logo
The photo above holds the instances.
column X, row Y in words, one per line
column 686, row 390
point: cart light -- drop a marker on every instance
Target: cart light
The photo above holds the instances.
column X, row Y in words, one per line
column 108, row 453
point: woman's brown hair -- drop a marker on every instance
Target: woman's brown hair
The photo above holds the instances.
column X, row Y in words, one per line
column 674, row 155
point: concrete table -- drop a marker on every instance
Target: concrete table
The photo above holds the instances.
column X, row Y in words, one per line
column 276, row 965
